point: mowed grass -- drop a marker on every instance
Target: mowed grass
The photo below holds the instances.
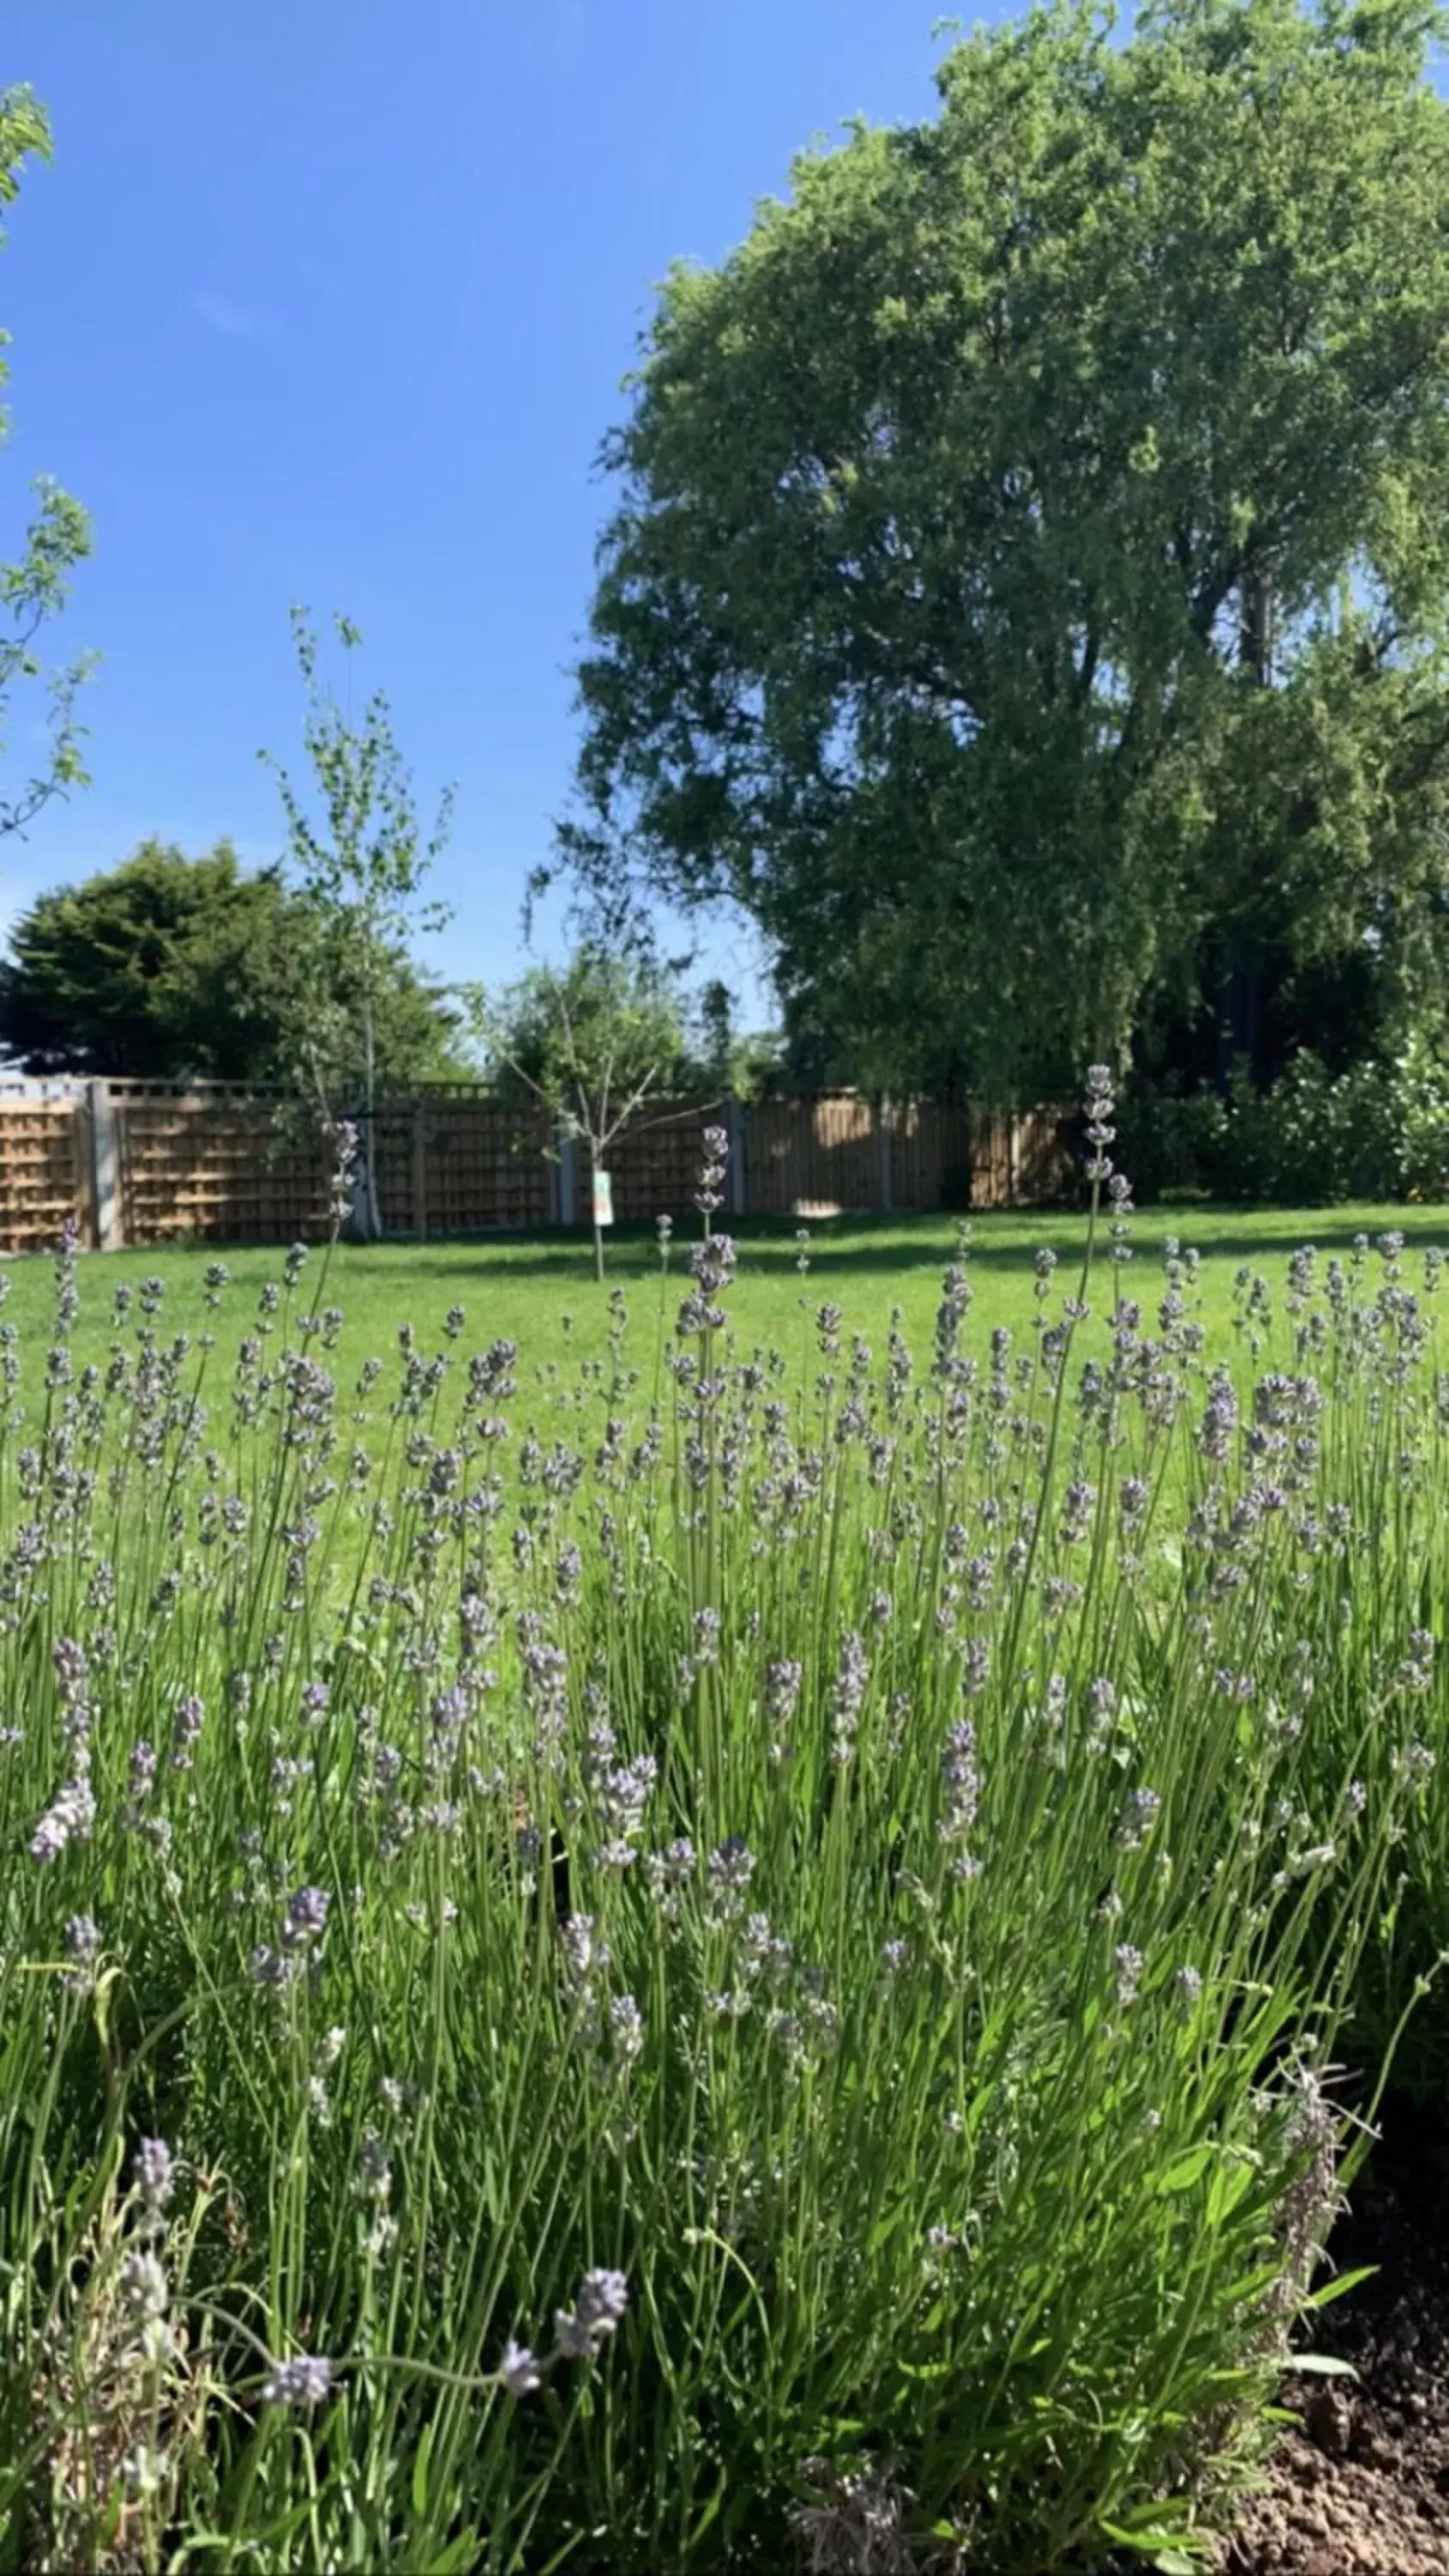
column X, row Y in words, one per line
column 540, row 1291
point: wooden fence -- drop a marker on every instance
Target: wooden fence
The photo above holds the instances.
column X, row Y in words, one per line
column 143, row 1163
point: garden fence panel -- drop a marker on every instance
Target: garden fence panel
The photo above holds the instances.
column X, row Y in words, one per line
column 931, row 1155
column 654, row 1163
column 481, row 1166
column 44, row 1174
column 147, row 1163
column 215, row 1167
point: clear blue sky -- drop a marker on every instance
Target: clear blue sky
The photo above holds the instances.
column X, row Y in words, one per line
column 330, row 300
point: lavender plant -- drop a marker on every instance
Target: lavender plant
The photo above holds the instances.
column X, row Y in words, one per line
column 633, row 1979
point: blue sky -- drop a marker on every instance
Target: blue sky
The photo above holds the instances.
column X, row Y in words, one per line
column 330, row 301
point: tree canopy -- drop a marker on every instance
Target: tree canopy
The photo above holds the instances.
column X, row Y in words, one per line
column 584, row 1036
column 1027, row 594
column 173, row 968
column 593, row 1041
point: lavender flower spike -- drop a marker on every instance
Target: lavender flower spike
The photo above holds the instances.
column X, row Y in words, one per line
column 306, row 2380
column 518, row 2369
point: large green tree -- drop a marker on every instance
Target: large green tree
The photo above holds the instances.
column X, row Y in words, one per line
column 173, row 968
column 1027, row 594
column 33, row 584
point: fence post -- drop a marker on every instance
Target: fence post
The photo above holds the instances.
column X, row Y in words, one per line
column 1013, row 1160
column 419, row 1175
column 883, row 1133
column 105, row 1167
column 567, row 1206
column 735, row 1129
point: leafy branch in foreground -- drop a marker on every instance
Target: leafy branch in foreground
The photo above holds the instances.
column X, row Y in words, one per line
column 34, row 585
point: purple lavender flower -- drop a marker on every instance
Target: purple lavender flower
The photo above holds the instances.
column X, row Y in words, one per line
column 518, row 2369
column 155, row 2171
column 733, row 1864
column 581, row 1953
column 269, row 1967
column 307, row 1911
column 82, row 1947
column 782, row 1690
column 852, row 1679
column 186, row 1730
column 304, row 2381
column 626, row 2023
column 82, row 1940
column 666, row 1871
column 975, row 1667
column 144, row 2287
column 602, row 2300
column 1127, row 1966
column 1139, row 1817
column 624, row 1792
column 716, row 1145
column 69, row 1817
column 960, row 1782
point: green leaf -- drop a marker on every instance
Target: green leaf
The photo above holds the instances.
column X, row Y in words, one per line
column 1188, row 2170
column 1341, row 2284
column 421, row 2465
column 1227, row 2188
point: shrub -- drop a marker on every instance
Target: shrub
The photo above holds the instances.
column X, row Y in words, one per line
column 1377, row 1131
column 764, row 1962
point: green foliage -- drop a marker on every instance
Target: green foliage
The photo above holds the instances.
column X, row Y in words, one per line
column 360, row 866
column 34, row 585
column 587, row 1037
column 952, row 2099
column 593, row 1041
column 175, row 968
column 737, row 1063
column 1027, row 595
column 1312, row 1138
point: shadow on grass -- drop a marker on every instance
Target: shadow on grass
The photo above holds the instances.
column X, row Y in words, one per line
column 895, row 1245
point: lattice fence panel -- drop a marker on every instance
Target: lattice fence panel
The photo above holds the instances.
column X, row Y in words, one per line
column 393, row 1149
column 216, row 1170
column 43, row 1177
column 655, row 1163
column 219, row 1164
column 485, row 1167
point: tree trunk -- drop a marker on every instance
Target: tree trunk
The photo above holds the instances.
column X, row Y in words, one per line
column 1255, row 624
column 1240, row 1021
column 373, row 1213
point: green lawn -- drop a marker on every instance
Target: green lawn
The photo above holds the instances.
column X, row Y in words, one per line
column 540, row 1291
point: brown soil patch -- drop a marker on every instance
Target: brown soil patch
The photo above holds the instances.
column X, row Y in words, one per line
column 1360, row 2485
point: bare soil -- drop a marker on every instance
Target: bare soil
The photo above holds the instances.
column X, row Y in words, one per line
column 1360, row 2485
